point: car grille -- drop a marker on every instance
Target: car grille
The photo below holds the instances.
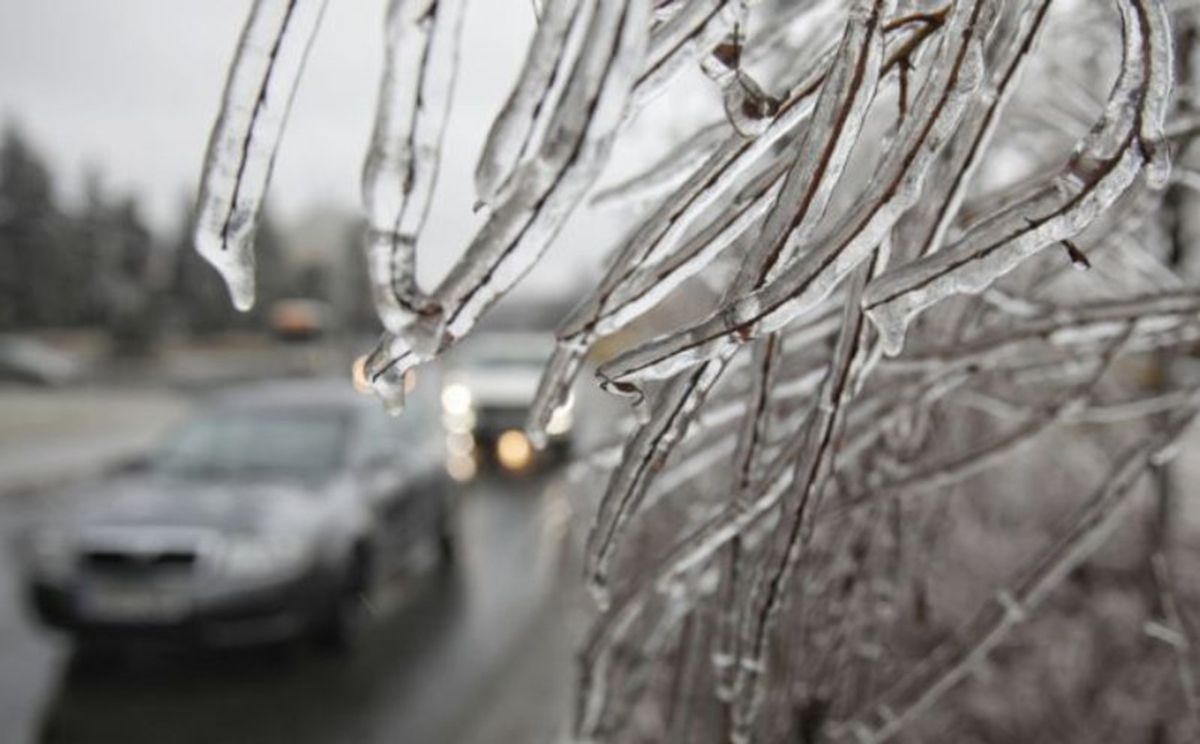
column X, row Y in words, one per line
column 130, row 564
column 494, row 418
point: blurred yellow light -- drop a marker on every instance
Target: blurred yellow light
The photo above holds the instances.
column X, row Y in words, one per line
column 461, row 467
column 358, row 375
column 513, row 450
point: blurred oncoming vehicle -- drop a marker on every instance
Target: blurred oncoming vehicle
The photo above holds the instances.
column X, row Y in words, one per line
column 278, row 511
column 486, row 396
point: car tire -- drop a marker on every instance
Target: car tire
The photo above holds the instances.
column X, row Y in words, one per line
column 346, row 620
column 447, row 542
column 89, row 659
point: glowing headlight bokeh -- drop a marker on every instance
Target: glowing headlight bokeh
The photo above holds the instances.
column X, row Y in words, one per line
column 460, row 444
column 514, row 451
column 358, row 375
column 461, row 468
column 456, row 399
column 458, row 410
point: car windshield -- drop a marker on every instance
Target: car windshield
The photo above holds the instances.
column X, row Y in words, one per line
column 512, row 353
column 257, row 444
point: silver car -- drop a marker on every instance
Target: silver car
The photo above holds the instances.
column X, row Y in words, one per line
column 276, row 512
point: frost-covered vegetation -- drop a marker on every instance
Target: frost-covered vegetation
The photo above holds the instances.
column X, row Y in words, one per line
column 951, row 353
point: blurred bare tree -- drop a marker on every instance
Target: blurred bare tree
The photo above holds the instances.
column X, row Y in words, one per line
column 31, row 241
column 64, row 268
column 956, row 333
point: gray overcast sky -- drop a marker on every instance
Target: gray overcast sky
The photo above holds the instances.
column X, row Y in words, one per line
column 132, row 86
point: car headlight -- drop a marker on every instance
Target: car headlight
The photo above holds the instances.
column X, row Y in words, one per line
column 458, row 408
column 49, row 552
column 259, row 558
column 456, row 399
column 514, row 451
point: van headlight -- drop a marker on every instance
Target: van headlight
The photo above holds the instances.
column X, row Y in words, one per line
column 458, row 408
column 456, row 399
column 260, row 558
column 514, row 451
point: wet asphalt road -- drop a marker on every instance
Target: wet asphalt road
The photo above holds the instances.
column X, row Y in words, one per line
column 420, row 675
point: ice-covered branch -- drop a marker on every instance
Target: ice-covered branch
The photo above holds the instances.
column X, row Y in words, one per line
column 514, row 127
column 401, row 166
column 545, row 192
column 241, row 149
column 798, row 287
column 1126, row 142
column 952, row 661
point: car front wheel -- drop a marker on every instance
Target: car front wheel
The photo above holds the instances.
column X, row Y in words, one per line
column 343, row 627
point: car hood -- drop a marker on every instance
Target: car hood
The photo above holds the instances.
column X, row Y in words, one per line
column 514, row 386
column 221, row 506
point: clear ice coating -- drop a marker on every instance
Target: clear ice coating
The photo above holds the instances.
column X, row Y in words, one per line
column 683, row 40
column 241, row 149
column 803, row 283
column 849, row 190
column 1104, row 165
column 514, row 127
column 401, row 166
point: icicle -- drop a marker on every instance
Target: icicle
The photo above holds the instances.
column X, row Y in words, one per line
column 241, row 149
column 401, row 166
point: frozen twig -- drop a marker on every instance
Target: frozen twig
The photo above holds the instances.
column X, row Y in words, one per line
column 952, row 661
column 402, row 162
column 798, row 287
column 241, row 149
column 1125, row 143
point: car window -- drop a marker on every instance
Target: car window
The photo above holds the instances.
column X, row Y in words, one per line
column 257, row 444
column 385, row 437
column 405, row 439
column 500, row 352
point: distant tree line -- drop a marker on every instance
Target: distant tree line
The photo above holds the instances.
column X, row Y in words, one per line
column 97, row 264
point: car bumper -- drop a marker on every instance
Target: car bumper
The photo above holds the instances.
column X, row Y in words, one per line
column 266, row 614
